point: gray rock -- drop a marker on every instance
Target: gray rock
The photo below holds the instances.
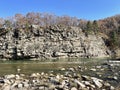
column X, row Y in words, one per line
column 97, row 82
column 112, row 88
column 14, row 85
column 73, row 88
column 86, row 78
column 20, row 85
column 10, row 76
column 25, row 84
column 41, row 88
column 79, row 83
column 106, row 84
column 34, row 75
column 46, row 81
column 52, row 87
column 7, row 81
column 93, row 69
column 72, row 69
column 62, row 69
column 6, row 87
column 87, row 83
column 17, row 77
column 115, row 77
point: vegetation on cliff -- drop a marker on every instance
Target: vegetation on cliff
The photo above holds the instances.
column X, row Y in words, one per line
column 109, row 26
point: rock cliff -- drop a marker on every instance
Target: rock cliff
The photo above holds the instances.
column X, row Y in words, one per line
column 51, row 42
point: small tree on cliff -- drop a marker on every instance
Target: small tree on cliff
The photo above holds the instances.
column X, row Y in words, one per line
column 89, row 28
column 95, row 26
column 114, row 39
column 7, row 24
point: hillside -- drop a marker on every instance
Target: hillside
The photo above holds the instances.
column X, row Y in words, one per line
column 45, row 36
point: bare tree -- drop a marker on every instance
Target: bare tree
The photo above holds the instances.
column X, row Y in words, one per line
column 2, row 21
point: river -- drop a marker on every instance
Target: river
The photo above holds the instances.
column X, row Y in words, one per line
column 28, row 67
column 99, row 68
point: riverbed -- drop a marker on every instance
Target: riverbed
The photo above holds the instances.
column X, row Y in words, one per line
column 100, row 68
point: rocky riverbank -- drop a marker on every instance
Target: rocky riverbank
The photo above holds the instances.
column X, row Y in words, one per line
column 52, row 42
column 44, row 81
column 98, row 77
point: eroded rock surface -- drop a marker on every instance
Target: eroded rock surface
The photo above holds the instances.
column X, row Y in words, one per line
column 52, row 42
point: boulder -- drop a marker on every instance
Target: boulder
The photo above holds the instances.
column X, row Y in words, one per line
column 10, row 76
column 97, row 82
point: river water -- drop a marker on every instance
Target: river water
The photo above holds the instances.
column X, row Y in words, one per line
column 28, row 67
column 99, row 68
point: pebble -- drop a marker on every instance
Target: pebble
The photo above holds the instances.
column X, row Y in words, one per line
column 112, row 88
column 26, row 84
column 10, row 76
column 98, row 83
column 87, row 83
column 93, row 69
column 17, row 76
column 33, row 75
column 50, row 81
column 115, row 77
column 20, row 85
column 62, row 69
column 72, row 69
column 73, row 88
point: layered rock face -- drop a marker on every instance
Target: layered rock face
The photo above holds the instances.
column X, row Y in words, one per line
column 52, row 42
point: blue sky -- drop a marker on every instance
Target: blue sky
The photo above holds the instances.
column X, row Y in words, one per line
column 83, row 9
